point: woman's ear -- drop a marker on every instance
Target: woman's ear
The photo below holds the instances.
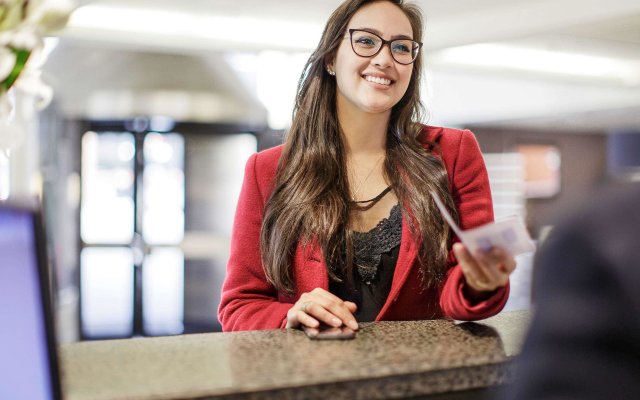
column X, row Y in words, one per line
column 330, row 70
column 328, row 66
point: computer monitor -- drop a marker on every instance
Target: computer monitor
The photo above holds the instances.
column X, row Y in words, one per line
column 28, row 361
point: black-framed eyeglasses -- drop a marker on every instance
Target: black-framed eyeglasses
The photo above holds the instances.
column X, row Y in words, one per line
column 368, row 44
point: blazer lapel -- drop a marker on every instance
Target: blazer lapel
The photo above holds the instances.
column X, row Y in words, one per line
column 406, row 258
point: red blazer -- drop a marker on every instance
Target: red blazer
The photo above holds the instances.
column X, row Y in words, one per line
column 250, row 302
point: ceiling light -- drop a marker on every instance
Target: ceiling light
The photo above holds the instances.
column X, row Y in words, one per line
column 501, row 57
column 245, row 31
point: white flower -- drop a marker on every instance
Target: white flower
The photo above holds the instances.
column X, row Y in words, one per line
column 30, row 83
column 25, row 39
column 11, row 136
column 22, row 27
column 11, row 14
column 6, row 107
column 7, row 62
column 51, row 15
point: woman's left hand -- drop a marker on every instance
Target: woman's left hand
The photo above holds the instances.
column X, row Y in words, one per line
column 485, row 271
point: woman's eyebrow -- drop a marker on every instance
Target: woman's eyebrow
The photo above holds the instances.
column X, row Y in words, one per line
column 377, row 32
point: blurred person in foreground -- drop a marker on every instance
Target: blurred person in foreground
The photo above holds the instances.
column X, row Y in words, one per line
column 338, row 224
column 584, row 339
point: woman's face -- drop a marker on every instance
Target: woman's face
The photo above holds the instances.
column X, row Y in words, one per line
column 358, row 78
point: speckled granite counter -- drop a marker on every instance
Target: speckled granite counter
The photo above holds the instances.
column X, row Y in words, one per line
column 386, row 360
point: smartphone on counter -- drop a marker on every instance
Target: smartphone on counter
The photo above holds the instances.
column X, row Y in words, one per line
column 327, row 332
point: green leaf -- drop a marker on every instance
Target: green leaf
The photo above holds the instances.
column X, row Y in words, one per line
column 22, row 58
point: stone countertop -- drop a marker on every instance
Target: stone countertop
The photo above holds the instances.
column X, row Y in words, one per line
column 386, row 359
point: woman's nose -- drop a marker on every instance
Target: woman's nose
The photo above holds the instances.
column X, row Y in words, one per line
column 384, row 58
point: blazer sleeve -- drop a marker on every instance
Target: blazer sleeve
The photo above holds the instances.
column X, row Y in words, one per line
column 472, row 196
column 248, row 300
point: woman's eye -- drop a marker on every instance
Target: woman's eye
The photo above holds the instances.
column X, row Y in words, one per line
column 401, row 48
column 366, row 41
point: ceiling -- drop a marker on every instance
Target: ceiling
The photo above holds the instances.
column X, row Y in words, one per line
column 584, row 68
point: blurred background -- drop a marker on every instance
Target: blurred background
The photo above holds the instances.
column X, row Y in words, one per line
column 158, row 104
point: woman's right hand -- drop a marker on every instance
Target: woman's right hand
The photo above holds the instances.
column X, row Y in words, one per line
column 318, row 306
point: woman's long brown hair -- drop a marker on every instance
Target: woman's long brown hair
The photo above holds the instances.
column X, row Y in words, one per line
column 310, row 200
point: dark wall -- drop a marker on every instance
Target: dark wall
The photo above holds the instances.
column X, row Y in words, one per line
column 583, row 166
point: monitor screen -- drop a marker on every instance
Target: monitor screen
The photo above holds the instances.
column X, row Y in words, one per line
column 25, row 371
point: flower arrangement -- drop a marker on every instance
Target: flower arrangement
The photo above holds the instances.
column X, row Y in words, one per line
column 23, row 25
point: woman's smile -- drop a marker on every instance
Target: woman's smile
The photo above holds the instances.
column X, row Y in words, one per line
column 378, row 80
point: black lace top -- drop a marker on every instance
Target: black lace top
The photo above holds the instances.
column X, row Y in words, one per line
column 376, row 254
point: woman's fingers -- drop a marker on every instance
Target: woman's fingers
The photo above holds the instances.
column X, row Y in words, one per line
column 472, row 272
column 351, row 306
column 320, row 313
column 505, row 261
column 490, row 266
column 297, row 315
column 306, row 319
column 485, row 271
column 318, row 306
column 337, row 308
column 501, row 263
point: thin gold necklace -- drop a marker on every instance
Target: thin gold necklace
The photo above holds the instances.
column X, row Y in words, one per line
column 354, row 195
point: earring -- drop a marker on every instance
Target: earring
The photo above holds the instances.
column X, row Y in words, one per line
column 331, row 72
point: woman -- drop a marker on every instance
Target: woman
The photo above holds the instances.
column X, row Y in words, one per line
column 338, row 225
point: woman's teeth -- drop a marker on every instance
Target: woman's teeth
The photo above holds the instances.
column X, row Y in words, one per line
column 375, row 79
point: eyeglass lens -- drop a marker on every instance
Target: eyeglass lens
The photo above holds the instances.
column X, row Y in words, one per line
column 367, row 44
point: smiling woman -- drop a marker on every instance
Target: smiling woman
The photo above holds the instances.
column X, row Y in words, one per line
column 338, row 225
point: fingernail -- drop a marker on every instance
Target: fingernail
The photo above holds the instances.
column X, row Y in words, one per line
column 336, row 322
column 353, row 324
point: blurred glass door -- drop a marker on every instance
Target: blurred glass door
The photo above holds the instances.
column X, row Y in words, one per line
column 131, row 225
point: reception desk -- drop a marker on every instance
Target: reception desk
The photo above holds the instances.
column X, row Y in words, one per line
column 385, row 360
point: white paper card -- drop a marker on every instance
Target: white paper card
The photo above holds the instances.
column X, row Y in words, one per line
column 509, row 233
